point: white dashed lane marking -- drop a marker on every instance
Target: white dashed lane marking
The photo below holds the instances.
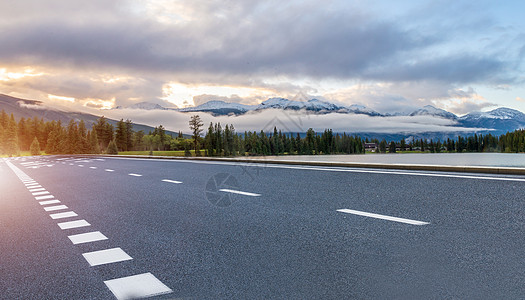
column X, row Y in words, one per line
column 73, row 224
column 137, row 286
column 93, row 168
column 239, row 192
column 49, row 202
column 383, row 217
column 56, row 207
column 63, row 215
column 87, row 237
column 40, row 193
column 171, row 181
column 107, row 256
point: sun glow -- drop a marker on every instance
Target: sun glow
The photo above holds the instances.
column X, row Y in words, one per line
column 55, row 97
column 100, row 103
column 182, row 95
column 7, row 76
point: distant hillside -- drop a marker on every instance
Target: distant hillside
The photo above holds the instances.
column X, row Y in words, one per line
column 22, row 108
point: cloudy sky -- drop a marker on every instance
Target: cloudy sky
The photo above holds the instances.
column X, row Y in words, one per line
column 388, row 55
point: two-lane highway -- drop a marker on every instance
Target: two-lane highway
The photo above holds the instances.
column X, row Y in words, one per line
column 100, row 228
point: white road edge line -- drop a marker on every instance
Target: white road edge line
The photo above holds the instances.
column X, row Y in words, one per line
column 332, row 169
column 383, row 217
column 138, row 286
column 108, row 256
column 73, row 224
column 239, row 192
column 87, row 237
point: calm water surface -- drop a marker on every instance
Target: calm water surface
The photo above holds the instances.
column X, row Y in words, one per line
column 449, row 159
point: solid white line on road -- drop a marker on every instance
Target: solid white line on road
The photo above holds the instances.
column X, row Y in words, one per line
column 63, row 215
column 44, row 197
column 92, row 167
column 87, row 237
column 53, row 208
column 73, row 224
column 137, row 286
column 109, row 170
column 239, row 192
column 171, row 181
column 383, row 217
column 107, row 256
column 133, row 174
column 40, row 193
column 333, row 169
column 49, row 202
column 37, row 190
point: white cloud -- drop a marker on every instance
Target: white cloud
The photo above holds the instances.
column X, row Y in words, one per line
column 291, row 121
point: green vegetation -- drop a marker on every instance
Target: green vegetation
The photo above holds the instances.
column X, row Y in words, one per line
column 31, row 136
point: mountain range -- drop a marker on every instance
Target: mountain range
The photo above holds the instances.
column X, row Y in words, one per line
column 497, row 121
column 22, row 108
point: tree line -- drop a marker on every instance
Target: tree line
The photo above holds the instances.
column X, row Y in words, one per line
column 53, row 137
column 511, row 142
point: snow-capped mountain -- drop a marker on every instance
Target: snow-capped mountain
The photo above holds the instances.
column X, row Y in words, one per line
column 310, row 105
column 143, row 105
column 429, row 110
column 217, row 107
column 501, row 120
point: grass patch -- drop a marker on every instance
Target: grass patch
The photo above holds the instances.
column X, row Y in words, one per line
column 23, row 153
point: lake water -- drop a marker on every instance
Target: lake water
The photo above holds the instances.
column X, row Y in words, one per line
column 516, row 160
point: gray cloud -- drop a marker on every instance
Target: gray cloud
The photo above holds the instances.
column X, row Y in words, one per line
column 255, row 39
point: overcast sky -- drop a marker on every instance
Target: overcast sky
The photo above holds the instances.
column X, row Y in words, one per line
column 387, row 55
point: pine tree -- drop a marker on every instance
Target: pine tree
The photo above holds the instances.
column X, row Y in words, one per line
column 120, row 136
column 11, row 136
column 35, row 147
column 196, row 129
column 112, row 148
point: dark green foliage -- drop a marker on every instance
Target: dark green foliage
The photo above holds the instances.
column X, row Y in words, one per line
column 196, row 129
column 112, row 148
column 35, row 147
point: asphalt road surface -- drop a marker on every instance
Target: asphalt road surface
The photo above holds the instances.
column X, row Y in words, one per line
column 106, row 228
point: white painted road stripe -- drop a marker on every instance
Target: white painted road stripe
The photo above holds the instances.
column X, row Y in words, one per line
column 87, row 237
column 44, row 197
column 133, row 174
column 107, row 256
column 73, row 224
column 37, row 189
column 171, row 181
column 377, row 216
column 239, row 192
column 92, row 167
column 137, row 286
column 63, row 215
column 49, row 202
column 40, row 193
column 334, row 169
column 109, row 170
column 53, row 208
